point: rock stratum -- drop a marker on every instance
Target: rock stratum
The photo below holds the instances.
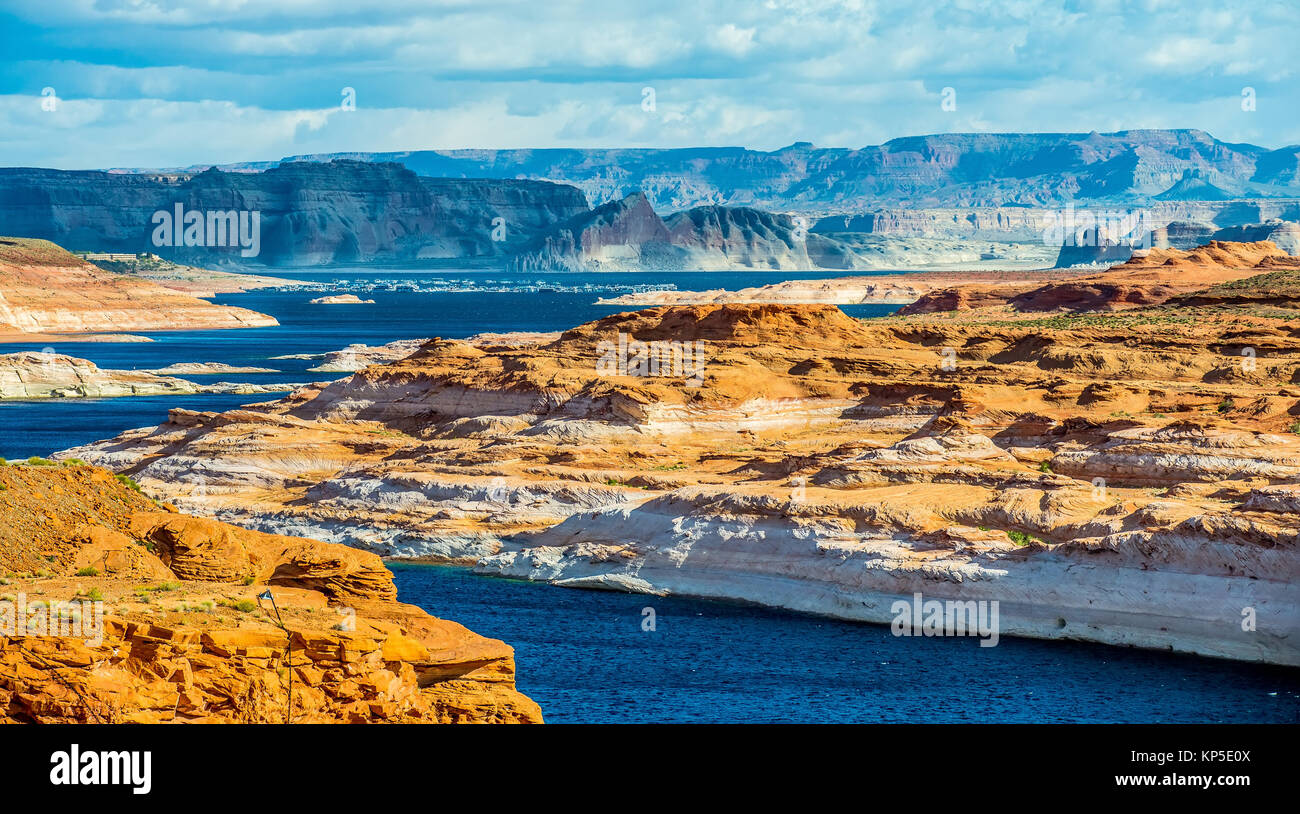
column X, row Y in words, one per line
column 1151, row 277
column 308, row 214
column 1127, row 477
column 28, row 375
column 183, row 637
column 45, row 290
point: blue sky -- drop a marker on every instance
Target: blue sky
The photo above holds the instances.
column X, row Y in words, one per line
column 159, row 83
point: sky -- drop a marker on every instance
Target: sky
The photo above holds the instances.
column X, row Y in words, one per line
column 164, row 83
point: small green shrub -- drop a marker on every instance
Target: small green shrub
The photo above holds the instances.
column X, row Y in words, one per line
column 88, row 572
column 129, row 482
column 1020, row 538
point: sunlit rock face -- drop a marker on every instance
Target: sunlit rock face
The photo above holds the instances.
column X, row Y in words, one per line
column 135, row 613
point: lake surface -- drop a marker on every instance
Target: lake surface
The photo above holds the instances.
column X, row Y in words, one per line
column 583, row 655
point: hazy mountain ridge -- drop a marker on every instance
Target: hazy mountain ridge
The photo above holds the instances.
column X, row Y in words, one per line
column 947, row 201
column 957, row 169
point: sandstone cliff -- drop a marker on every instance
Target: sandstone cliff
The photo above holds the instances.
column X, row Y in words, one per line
column 309, row 214
column 55, row 375
column 184, row 636
column 628, row 235
column 1127, row 478
column 1148, row 278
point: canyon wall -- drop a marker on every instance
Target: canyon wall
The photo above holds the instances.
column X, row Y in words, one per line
column 309, row 214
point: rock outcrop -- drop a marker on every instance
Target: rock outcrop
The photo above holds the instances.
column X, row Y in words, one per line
column 45, row 290
column 341, row 299
column 150, row 616
column 1148, row 278
column 28, row 375
column 1122, row 478
column 885, row 289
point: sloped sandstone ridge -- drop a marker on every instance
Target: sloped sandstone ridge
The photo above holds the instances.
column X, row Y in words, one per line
column 46, row 290
column 184, row 637
column 1121, row 477
column 1148, row 278
column 28, row 375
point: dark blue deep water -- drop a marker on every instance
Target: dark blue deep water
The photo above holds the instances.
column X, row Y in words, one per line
column 583, row 655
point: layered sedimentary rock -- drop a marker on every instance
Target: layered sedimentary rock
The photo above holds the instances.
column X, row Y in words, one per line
column 1121, row 478
column 197, row 282
column 308, row 213
column 629, row 235
column 46, row 290
column 944, row 201
column 181, row 635
column 1148, row 278
column 887, row 289
column 29, row 375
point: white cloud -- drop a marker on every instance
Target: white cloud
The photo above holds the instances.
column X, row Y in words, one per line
column 166, row 82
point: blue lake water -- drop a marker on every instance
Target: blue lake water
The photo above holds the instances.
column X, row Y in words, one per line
column 583, row 655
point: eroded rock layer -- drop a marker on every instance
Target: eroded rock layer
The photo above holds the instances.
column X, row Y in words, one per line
column 184, row 636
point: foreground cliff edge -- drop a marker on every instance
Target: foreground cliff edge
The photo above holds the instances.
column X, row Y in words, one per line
column 1127, row 474
column 183, row 636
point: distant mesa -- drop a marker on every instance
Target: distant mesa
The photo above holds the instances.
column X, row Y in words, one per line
column 957, row 200
column 206, row 369
column 1195, row 185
